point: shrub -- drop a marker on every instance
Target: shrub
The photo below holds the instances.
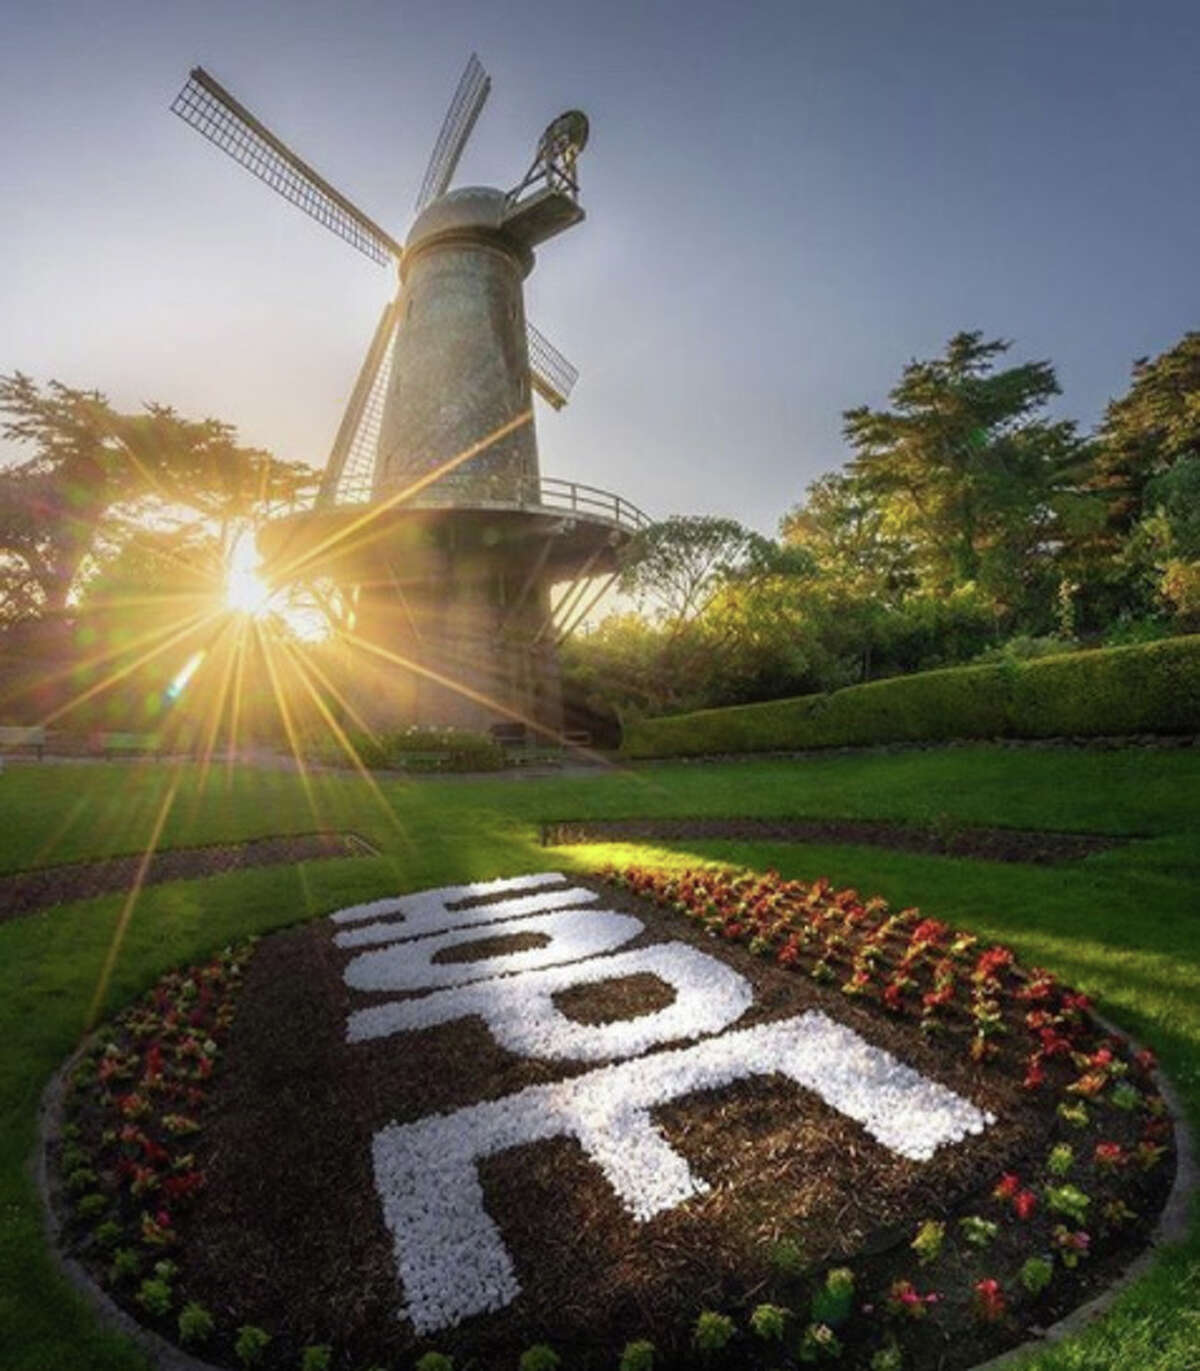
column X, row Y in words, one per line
column 1150, row 688
column 126, row 1262
column 539, row 1357
column 1036, row 1274
column 831, row 1302
column 928, row 1242
column 316, row 1358
column 434, row 1361
column 888, row 1359
column 1061, row 1159
column 195, row 1323
column 92, row 1206
column 788, row 1258
column 768, row 1322
column 637, row 1356
column 1068, row 1200
column 712, row 1332
column 251, row 1344
column 419, row 749
column 155, row 1295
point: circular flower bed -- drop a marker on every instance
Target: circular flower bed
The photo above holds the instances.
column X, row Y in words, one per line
column 699, row 1118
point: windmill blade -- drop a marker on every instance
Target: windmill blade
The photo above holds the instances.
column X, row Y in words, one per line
column 209, row 108
column 473, row 87
column 552, row 375
column 349, row 476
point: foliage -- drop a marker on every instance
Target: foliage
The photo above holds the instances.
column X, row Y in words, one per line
column 1152, row 688
column 434, row 1361
column 195, row 1323
column 316, row 1357
column 1036, row 1274
column 1068, row 1200
column 637, row 1356
column 251, row 1343
column 417, row 749
column 962, row 469
column 712, row 1331
column 154, row 1295
column 1148, row 430
column 768, row 1321
column 678, row 563
column 539, row 1357
column 95, row 474
column 928, row 1242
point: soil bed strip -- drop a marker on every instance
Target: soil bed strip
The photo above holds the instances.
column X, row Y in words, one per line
column 1031, row 846
column 25, row 892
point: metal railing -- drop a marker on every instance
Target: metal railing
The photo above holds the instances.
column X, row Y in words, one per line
column 547, row 493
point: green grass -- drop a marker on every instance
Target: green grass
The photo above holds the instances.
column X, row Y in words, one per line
column 1124, row 925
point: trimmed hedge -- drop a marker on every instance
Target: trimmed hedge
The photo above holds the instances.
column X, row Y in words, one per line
column 1148, row 688
column 418, row 749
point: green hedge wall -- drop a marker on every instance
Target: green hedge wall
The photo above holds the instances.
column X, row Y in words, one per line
column 1149, row 688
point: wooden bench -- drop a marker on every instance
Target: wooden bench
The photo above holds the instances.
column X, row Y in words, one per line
column 14, row 736
column 129, row 744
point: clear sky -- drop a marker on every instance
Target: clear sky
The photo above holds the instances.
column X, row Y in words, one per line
column 786, row 202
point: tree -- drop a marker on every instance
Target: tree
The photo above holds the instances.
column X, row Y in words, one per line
column 962, row 468
column 96, row 475
column 842, row 525
column 679, row 563
column 1150, row 428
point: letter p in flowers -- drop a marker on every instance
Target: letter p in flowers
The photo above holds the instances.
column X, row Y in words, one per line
column 451, row 1256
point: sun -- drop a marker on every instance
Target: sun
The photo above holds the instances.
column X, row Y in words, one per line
column 245, row 590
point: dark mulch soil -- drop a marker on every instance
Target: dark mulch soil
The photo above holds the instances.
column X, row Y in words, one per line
column 289, row 1235
column 25, row 892
column 986, row 844
column 480, row 949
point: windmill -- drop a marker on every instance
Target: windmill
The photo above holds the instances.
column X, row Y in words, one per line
column 432, row 513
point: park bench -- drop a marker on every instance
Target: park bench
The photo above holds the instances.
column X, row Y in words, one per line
column 14, row 737
column 129, row 744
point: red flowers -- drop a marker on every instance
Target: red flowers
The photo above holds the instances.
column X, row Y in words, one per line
column 1024, row 1202
column 990, row 1304
column 904, row 1298
column 1007, row 1186
column 991, row 963
column 1109, row 1155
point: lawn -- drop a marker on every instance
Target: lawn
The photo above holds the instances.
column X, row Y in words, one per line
column 1124, row 925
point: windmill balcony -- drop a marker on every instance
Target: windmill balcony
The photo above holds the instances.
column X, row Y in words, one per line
column 546, row 494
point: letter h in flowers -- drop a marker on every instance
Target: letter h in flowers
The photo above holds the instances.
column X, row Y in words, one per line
column 450, row 1255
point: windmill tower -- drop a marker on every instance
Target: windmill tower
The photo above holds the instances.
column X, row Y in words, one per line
column 433, row 516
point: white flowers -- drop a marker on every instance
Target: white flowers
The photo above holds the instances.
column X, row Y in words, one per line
column 449, row 1254
column 521, row 1015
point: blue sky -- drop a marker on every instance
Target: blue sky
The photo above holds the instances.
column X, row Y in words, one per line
column 786, row 202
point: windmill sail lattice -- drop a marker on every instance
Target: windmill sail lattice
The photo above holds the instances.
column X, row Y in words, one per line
column 209, row 108
column 469, row 98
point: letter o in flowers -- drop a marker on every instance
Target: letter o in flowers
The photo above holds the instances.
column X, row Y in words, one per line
column 573, row 934
column 521, row 1014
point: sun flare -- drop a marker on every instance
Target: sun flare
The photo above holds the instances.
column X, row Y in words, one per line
column 246, row 592
column 245, row 589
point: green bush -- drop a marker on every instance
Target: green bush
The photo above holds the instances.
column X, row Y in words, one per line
column 251, row 1344
column 712, row 1331
column 195, row 1323
column 417, row 749
column 1150, row 688
column 539, row 1357
column 637, row 1356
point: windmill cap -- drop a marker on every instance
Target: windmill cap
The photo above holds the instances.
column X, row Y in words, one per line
column 471, row 207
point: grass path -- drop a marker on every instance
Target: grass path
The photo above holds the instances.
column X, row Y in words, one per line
column 1124, row 925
